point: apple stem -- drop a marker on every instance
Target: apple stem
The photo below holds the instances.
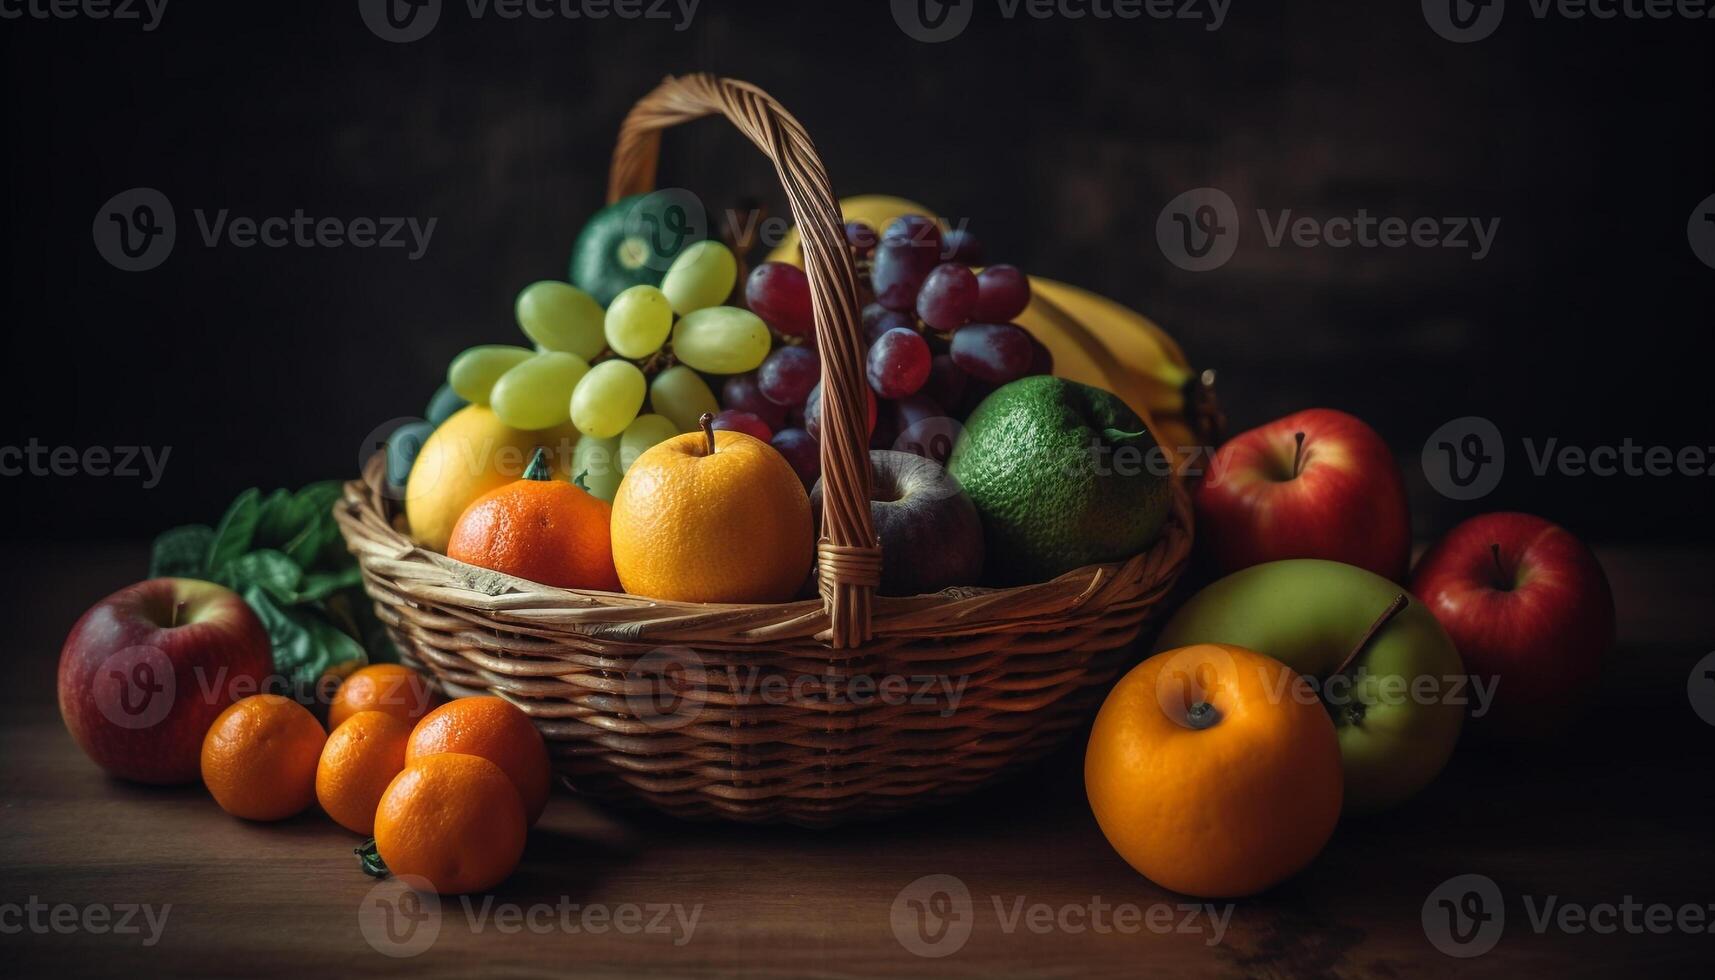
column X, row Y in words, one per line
column 707, row 421
column 178, row 607
column 1500, row 569
column 1297, row 453
column 1393, row 609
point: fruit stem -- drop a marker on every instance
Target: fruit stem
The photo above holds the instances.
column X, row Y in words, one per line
column 707, row 421
column 1500, row 569
column 1393, row 608
column 1201, row 715
column 538, row 468
column 178, row 607
column 1297, row 453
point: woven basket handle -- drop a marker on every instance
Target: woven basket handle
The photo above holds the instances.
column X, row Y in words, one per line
column 849, row 554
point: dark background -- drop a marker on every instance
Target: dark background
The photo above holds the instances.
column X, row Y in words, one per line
column 1060, row 140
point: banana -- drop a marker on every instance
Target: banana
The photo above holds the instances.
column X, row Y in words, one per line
column 1093, row 339
column 1134, row 358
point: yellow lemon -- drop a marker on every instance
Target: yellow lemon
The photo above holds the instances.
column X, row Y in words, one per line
column 472, row 453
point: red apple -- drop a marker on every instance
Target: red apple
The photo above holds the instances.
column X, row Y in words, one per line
column 1528, row 606
column 146, row 670
column 1315, row 484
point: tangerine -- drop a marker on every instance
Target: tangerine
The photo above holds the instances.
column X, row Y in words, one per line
column 1214, row 770
column 493, row 729
column 259, row 757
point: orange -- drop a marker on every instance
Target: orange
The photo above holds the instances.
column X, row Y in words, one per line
column 259, row 758
column 729, row 523
column 493, row 729
column 539, row 528
column 454, row 821
column 390, row 688
column 361, row 757
column 1214, row 771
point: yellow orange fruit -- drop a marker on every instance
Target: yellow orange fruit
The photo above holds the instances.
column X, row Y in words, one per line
column 493, row 729
column 392, row 689
column 468, row 455
column 452, row 820
column 259, row 758
column 1214, row 770
column 732, row 525
column 358, row 762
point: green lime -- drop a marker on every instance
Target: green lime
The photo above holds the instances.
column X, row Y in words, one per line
column 1063, row 475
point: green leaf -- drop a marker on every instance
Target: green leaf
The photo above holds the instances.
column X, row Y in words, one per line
column 312, row 542
column 317, row 586
column 305, row 643
column 236, row 531
column 313, row 505
column 181, row 552
column 369, row 859
column 269, row 569
column 274, row 520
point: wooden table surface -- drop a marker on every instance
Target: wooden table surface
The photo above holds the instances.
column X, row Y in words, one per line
column 1618, row 814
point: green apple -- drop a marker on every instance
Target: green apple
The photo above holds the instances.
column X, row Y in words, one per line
column 1397, row 704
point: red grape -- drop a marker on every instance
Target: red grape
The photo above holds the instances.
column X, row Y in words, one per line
column 780, row 294
column 898, row 363
column 948, row 296
column 860, row 238
column 993, row 352
column 788, row 374
column 813, row 411
column 802, row 452
column 897, row 273
column 1002, row 293
column 959, row 245
column 1043, row 360
column 878, row 319
column 745, row 422
column 946, row 382
column 912, row 409
column 741, row 392
column 918, row 231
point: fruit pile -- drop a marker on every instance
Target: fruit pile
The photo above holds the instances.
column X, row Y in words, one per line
column 1308, row 681
column 610, row 406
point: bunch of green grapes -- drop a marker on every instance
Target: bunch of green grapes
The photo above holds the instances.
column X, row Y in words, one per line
column 627, row 377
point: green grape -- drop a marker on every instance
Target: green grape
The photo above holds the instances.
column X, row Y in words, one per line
column 595, row 466
column 638, row 322
column 537, row 394
column 681, row 394
column 721, row 340
column 608, row 398
column 643, row 432
column 560, row 316
column 702, row 276
column 473, row 373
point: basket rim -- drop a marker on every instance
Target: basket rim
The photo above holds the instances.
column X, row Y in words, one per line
column 387, row 556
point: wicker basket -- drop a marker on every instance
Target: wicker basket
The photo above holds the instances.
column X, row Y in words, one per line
column 811, row 712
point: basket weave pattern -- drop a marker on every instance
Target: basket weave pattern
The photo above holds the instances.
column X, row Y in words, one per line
column 812, row 712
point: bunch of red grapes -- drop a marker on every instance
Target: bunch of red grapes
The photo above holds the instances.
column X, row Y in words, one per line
column 939, row 338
